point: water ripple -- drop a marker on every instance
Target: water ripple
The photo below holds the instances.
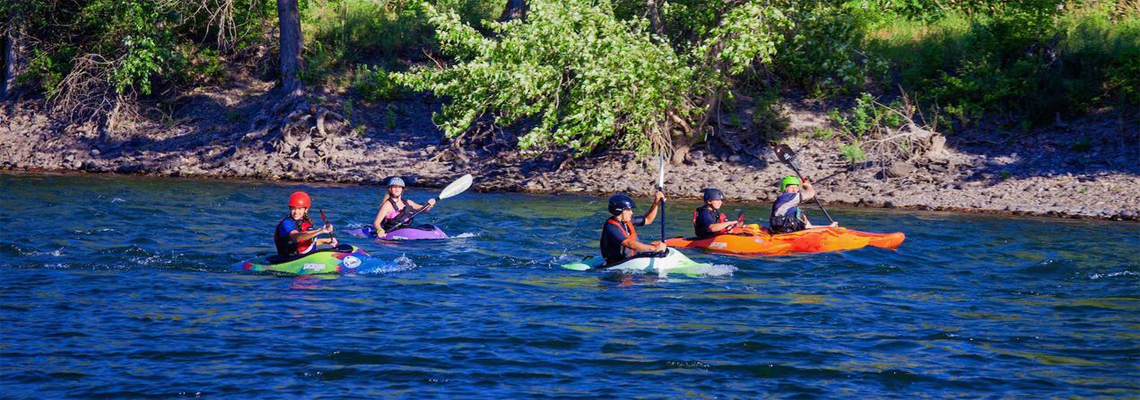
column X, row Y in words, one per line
column 127, row 293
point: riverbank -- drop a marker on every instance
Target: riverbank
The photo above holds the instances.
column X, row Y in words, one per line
column 1082, row 169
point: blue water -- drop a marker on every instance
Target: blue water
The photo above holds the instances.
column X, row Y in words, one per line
column 118, row 287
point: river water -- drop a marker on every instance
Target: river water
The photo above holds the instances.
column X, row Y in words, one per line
column 120, row 287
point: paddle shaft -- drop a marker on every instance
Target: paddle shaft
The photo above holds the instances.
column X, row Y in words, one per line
column 326, row 220
column 662, row 205
column 661, row 188
column 410, row 217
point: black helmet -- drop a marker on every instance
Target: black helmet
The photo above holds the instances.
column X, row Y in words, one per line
column 621, row 202
column 713, row 194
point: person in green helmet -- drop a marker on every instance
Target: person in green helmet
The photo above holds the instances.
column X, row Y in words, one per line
column 786, row 215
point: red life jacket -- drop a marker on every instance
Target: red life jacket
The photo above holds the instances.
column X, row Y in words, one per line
column 284, row 245
column 721, row 218
column 627, row 229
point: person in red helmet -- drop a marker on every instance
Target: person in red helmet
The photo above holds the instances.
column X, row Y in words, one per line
column 295, row 234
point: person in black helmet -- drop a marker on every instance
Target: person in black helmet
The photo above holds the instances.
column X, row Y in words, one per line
column 708, row 221
column 619, row 238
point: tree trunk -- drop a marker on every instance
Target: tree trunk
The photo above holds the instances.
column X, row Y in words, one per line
column 515, row 9
column 289, row 20
column 653, row 12
column 15, row 56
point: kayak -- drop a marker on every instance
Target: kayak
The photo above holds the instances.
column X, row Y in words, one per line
column 420, row 232
column 344, row 259
column 672, row 262
column 744, row 244
column 812, row 240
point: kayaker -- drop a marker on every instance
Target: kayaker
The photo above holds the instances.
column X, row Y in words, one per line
column 619, row 238
column 708, row 221
column 395, row 210
column 786, row 216
column 295, row 234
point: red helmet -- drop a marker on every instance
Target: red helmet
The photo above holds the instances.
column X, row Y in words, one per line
column 299, row 200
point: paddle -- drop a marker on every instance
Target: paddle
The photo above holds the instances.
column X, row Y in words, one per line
column 787, row 156
column 661, row 187
column 326, row 220
column 459, row 186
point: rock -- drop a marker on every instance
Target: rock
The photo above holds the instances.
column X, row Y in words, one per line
column 95, row 152
column 900, row 169
column 734, row 158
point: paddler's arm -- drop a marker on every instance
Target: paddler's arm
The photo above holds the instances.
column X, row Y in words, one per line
column 642, row 247
column 649, row 216
column 717, row 227
column 808, row 192
column 384, row 210
column 417, row 207
column 298, row 236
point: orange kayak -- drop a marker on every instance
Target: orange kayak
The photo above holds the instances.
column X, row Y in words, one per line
column 813, row 240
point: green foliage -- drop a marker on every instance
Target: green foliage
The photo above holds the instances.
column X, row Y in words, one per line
column 581, row 75
column 374, row 83
column 353, row 31
column 1034, row 58
column 852, row 152
column 390, row 118
column 869, row 126
column 866, row 116
column 48, row 68
column 822, row 52
column 200, row 66
column 822, row 133
column 129, row 46
column 746, row 34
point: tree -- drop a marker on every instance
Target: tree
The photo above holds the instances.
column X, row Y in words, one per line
column 515, row 9
column 289, row 22
column 15, row 57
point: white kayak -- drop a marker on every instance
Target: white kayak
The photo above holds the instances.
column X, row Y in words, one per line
column 672, row 262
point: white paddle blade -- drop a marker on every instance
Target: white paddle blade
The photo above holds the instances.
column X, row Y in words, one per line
column 660, row 171
column 459, row 186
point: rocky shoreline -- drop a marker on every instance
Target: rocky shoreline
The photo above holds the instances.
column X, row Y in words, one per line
column 1087, row 169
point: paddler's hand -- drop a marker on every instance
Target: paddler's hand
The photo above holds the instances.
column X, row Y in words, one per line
column 659, row 247
column 834, row 224
column 807, row 184
column 659, row 197
column 327, row 229
column 430, row 203
column 334, row 242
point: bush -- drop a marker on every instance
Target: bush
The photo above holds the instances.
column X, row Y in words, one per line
column 583, row 77
column 821, row 53
column 1035, row 59
column 374, row 83
column 359, row 30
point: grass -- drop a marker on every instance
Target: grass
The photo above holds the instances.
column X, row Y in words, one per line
column 977, row 64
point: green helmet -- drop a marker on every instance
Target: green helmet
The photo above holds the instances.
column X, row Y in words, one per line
column 789, row 180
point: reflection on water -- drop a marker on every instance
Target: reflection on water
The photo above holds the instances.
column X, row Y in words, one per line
column 117, row 287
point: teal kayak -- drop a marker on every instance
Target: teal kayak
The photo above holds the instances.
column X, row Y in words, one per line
column 344, row 259
column 673, row 262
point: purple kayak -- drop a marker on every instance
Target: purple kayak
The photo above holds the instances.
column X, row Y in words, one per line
column 419, row 232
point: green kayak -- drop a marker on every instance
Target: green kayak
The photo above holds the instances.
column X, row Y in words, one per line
column 341, row 260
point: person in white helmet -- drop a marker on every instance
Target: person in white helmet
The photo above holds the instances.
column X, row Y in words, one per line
column 395, row 210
